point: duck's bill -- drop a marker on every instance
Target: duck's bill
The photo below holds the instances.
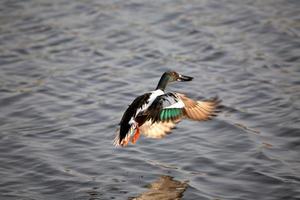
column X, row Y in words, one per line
column 184, row 78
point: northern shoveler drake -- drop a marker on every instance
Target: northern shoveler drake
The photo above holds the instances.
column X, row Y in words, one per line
column 155, row 113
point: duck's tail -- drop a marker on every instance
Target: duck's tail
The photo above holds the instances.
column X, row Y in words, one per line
column 135, row 132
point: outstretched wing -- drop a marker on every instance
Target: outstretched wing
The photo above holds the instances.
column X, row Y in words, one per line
column 199, row 110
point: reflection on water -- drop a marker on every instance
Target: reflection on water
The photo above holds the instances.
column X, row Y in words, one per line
column 94, row 195
column 68, row 70
column 165, row 188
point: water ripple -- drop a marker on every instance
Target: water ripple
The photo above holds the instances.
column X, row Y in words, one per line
column 69, row 70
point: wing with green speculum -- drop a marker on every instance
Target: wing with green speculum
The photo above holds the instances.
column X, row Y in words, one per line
column 162, row 116
column 170, row 114
column 167, row 107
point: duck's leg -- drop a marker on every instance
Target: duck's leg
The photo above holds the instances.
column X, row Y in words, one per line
column 136, row 135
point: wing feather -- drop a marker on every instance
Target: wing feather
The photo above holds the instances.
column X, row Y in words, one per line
column 157, row 129
column 165, row 108
column 199, row 110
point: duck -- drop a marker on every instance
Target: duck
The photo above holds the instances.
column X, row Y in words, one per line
column 155, row 113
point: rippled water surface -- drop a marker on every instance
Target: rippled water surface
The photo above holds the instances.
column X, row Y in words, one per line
column 68, row 70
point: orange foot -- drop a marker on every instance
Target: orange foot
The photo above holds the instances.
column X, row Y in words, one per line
column 136, row 136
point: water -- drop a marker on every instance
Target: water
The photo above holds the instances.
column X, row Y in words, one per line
column 68, row 70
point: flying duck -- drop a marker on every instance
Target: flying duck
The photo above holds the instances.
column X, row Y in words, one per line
column 155, row 113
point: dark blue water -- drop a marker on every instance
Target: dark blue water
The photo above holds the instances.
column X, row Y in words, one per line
column 68, row 70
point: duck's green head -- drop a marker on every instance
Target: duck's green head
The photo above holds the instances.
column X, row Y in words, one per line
column 171, row 76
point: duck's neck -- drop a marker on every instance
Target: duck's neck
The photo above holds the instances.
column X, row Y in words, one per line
column 162, row 84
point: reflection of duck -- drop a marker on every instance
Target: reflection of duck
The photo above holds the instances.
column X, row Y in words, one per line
column 165, row 188
column 155, row 113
